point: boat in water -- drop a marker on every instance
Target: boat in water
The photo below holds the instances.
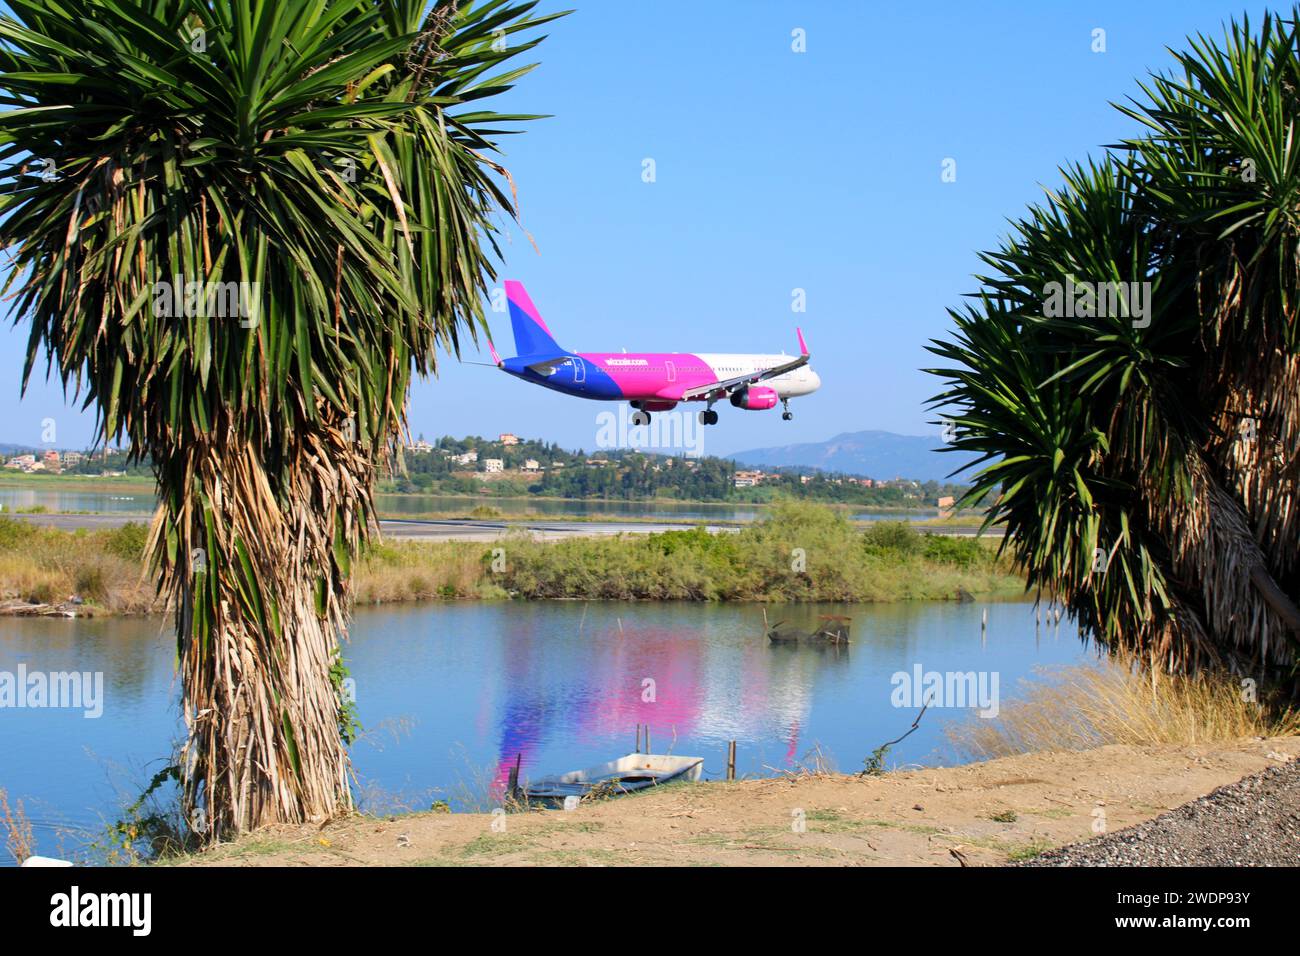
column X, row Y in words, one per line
column 628, row 774
column 833, row 629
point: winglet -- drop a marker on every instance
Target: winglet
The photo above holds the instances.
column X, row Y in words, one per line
column 803, row 349
column 496, row 359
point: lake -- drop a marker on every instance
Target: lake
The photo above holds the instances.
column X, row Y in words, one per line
column 450, row 694
column 17, row 497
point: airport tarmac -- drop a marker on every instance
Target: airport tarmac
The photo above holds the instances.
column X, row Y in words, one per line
column 449, row 529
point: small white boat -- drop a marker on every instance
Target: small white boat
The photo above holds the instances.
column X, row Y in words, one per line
column 624, row 775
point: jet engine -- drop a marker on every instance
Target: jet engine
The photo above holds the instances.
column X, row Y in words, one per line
column 755, row 398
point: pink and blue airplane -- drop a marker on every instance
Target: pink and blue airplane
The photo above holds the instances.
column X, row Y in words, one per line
column 652, row 381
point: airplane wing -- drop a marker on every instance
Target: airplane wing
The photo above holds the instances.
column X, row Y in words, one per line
column 727, row 386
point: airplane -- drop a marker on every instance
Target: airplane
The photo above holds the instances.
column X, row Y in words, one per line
column 652, row 381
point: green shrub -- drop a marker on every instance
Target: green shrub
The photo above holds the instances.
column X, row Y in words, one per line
column 959, row 552
column 128, row 541
column 15, row 535
column 898, row 537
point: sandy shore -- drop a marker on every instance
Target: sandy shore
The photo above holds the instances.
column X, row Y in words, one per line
column 981, row 814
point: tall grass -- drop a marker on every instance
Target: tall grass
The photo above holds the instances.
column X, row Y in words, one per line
column 20, row 837
column 1078, row 708
column 48, row 566
column 397, row 571
column 799, row 552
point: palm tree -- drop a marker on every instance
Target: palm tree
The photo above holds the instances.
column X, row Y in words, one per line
column 1129, row 372
column 237, row 228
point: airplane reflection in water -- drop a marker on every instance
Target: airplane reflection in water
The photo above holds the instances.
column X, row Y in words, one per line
column 692, row 698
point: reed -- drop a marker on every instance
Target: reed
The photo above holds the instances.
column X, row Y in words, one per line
column 20, row 837
column 1085, row 706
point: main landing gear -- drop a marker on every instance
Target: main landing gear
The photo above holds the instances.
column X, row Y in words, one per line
column 640, row 418
column 709, row 416
column 786, row 414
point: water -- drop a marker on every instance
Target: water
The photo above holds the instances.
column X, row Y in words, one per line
column 399, row 505
column 14, row 498
column 451, row 693
column 17, row 497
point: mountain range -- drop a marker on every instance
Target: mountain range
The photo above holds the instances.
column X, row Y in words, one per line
column 871, row 454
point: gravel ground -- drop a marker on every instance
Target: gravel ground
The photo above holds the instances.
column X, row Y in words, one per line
column 1253, row 822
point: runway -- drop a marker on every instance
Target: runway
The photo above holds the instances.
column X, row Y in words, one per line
column 452, row 529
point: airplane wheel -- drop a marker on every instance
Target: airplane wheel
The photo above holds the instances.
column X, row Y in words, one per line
column 708, row 417
column 786, row 416
column 640, row 418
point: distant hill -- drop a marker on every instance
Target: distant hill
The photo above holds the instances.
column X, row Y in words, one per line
column 871, row 454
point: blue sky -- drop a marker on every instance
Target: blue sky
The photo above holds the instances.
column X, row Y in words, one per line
column 775, row 170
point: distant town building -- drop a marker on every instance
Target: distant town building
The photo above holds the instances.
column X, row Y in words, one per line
column 71, row 458
column 493, row 465
column 468, row 458
column 506, row 438
column 421, row 447
column 748, row 479
column 532, row 464
column 804, row 479
column 945, row 506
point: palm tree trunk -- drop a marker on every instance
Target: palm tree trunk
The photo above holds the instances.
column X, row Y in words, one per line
column 259, row 579
column 1215, row 556
column 1259, row 432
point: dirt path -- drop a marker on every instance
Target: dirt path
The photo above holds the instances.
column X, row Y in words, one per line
column 984, row 814
column 1253, row 822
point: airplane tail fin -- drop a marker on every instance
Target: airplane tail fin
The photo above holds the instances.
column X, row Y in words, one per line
column 532, row 337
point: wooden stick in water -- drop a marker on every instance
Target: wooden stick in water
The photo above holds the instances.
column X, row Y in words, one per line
column 512, row 787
